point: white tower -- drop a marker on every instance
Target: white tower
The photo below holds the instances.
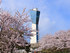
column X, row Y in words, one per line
column 35, row 19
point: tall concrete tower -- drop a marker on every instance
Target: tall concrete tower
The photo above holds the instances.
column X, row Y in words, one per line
column 35, row 20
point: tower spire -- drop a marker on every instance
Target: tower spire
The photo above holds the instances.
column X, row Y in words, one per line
column 0, row 2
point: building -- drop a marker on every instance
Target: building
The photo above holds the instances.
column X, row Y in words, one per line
column 35, row 21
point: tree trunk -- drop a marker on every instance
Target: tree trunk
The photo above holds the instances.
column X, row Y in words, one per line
column 12, row 47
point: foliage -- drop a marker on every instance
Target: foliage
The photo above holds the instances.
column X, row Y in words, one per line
column 59, row 40
column 12, row 29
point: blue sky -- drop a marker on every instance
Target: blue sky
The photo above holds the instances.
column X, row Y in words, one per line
column 55, row 14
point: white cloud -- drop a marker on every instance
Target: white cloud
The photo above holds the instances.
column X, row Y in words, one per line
column 46, row 26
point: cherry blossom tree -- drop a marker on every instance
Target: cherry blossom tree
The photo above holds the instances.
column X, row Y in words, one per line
column 12, row 30
column 59, row 40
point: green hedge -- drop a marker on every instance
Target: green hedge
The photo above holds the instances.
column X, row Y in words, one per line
column 65, row 50
column 54, row 50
